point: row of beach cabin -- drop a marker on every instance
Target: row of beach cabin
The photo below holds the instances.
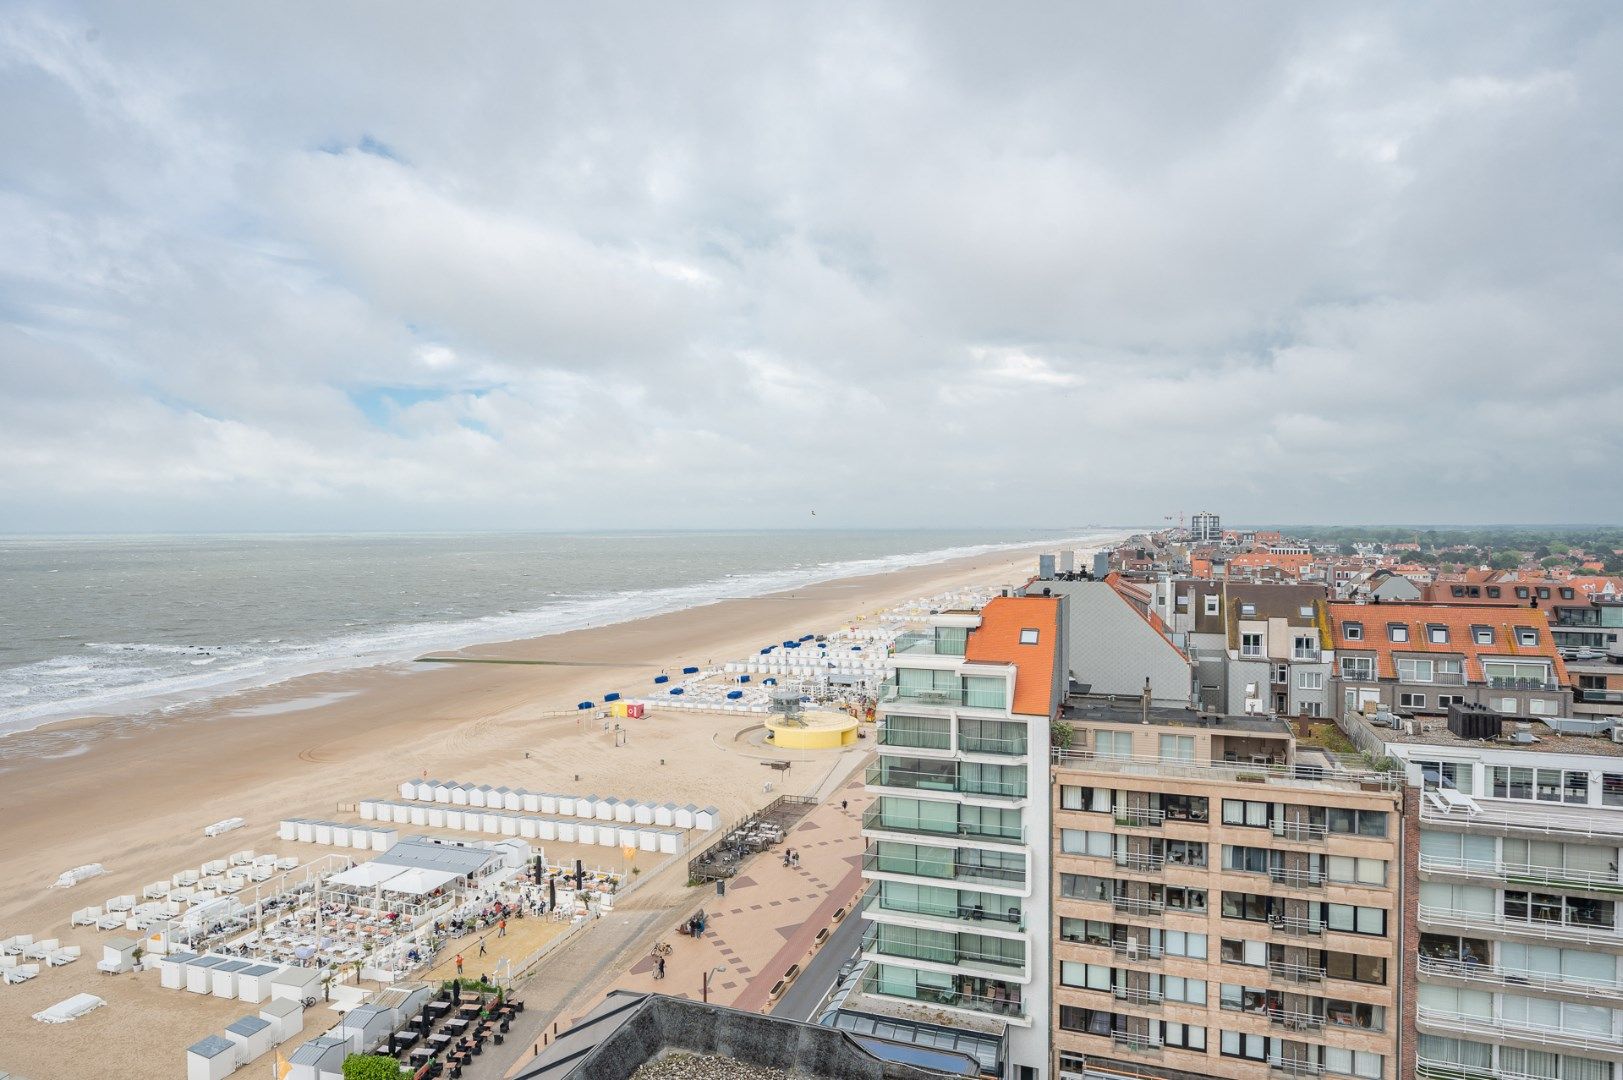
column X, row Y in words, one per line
column 245, row 1039
column 336, row 834
column 587, row 807
column 605, row 833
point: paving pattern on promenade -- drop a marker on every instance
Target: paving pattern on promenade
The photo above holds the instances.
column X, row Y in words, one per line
column 767, row 921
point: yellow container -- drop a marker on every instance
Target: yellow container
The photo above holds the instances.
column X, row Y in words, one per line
column 617, row 708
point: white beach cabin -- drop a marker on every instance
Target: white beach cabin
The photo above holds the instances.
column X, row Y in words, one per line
column 296, row 984
column 254, row 982
column 171, row 970
column 252, row 1035
column 286, row 1018
column 215, row 1058
column 322, row 1058
column 200, row 974
column 118, row 956
column 223, row 979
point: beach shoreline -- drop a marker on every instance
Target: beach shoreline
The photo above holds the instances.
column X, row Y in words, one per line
column 135, row 794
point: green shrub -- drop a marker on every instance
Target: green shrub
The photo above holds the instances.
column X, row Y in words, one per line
column 371, row 1067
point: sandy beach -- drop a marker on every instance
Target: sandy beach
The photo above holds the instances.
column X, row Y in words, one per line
column 135, row 794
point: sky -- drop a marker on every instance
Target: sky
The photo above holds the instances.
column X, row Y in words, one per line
column 346, row 267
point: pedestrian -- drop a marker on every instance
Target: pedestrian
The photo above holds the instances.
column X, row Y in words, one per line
column 844, row 803
column 501, row 928
column 459, row 965
column 481, row 946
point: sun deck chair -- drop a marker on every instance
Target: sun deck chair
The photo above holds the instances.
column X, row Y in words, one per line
column 110, row 921
column 63, row 956
column 21, row 973
column 39, row 950
column 85, row 916
column 14, row 946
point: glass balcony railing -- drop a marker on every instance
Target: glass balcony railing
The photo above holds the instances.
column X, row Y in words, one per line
column 1006, row 919
column 886, row 774
column 928, row 645
column 980, row 744
column 891, row 692
column 969, row 993
column 875, row 940
column 913, row 738
column 878, row 817
column 936, row 868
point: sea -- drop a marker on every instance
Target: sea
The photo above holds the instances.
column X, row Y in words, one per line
column 105, row 624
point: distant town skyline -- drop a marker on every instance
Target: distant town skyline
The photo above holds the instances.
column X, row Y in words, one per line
column 937, row 265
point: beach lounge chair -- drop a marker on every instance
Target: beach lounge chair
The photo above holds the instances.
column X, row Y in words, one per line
column 19, row 973
column 39, row 950
column 14, row 946
column 63, row 956
column 110, row 921
column 85, row 917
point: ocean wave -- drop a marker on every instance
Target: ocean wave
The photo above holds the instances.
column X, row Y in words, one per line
column 105, row 680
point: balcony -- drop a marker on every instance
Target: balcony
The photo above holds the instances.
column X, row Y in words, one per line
column 1517, row 979
column 1541, row 819
column 978, row 744
column 892, row 692
column 1008, row 919
column 1296, row 879
column 1304, row 831
column 1304, row 777
column 1140, row 861
column 1523, row 874
column 1543, row 685
column 930, row 868
column 915, row 740
column 880, row 774
column 875, row 819
column 1133, row 905
column 1556, row 1037
column 927, row 645
column 1295, row 1021
column 1140, row 817
column 1006, row 1004
column 873, row 941
column 1137, row 951
column 1134, row 995
column 1283, row 1067
column 1527, row 928
column 1295, row 973
column 1297, row 926
column 1135, row 1044
column 1586, row 696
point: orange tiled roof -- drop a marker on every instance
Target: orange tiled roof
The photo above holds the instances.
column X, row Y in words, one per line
column 1459, row 618
column 997, row 641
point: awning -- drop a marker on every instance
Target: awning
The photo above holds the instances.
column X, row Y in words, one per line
column 367, row 875
column 419, row 881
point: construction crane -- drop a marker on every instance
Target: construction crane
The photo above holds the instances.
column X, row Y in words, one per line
column 1168, row 517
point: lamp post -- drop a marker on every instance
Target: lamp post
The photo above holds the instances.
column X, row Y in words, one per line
column 705, row 990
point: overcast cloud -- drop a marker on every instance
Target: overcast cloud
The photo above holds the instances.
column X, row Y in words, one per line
column 405, row 266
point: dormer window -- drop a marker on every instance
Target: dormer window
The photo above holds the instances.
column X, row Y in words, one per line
column 1543, row 593
column 1521, row 592
column 1482, row 635
column 1527, row 637
column 1028, row 637
column 1437, row 635
column 1211, row 604
column 1493, row 592
column 1397, row 631
column 1458, row 590
column 1248, row 610
column 1307, row 613
column 1352, row 631
column 1566, row 594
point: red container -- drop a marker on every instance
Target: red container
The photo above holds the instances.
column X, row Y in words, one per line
column 635, row 710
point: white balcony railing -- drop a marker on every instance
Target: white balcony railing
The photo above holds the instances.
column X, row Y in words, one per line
column 1517, row 978
column 1502, row 817
column 1567, row 1038
column 1522, row 873
column 1310, row 777
column 1547, row 931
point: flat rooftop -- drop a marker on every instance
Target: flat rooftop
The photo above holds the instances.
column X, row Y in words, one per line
column 1432, row 730
column 1080, row 709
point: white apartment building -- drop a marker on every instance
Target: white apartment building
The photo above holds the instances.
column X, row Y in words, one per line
column 957, row 836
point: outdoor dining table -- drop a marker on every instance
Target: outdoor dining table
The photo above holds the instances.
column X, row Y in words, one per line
column 458, row 1025
column 422, row 1053
column 440, row 1041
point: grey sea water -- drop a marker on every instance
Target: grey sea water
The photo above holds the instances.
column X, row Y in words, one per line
column 93, row 623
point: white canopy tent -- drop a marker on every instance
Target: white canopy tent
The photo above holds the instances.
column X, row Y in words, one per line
column 419, row 881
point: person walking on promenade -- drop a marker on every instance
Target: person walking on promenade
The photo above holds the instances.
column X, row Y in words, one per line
column 459, row 965
column 501, row 928
column 481, row 946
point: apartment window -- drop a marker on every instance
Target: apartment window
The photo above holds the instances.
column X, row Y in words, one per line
column 1182, row 943
column 1355, row 967
column 1241, row 1045
column 1084, row 976
column 1505, row 672
column 1539, row 785
column 1521, row 592
column 1354, row 1062
column 1354, row 871
column 1177, row 748
column 1494, row 591
column 1085, row 887
column 1307, row 612
column 1543, row 707
column 1077, row 842
column 1437, row 635
column 1411, row 669
column 1088, row 799
column 1305, row 647
column 1543, row 593
column 1482, row 635
column 1450, row 669
column 1028, row 637
column 1188, row 991
column 1249, row 906
column 1238, row 951
column 1310, row 680
column 1527, row 637
column 1356, row 822
column 1567, row 594
column 1186, row 1036
column 1350, row 919
column 1314, row 709
column 1411, row 701
column 1611, row 789
column 1248, row 611
column 1358, row 668
column 1397, row 631
column 1211, row 605
column 1115, row 745
column 1245, row 812
column 1248, row 860
column 1445, row 700
column 1441, row 774
column 1250, row 644
column 1504, row 704
column 1352, row 631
